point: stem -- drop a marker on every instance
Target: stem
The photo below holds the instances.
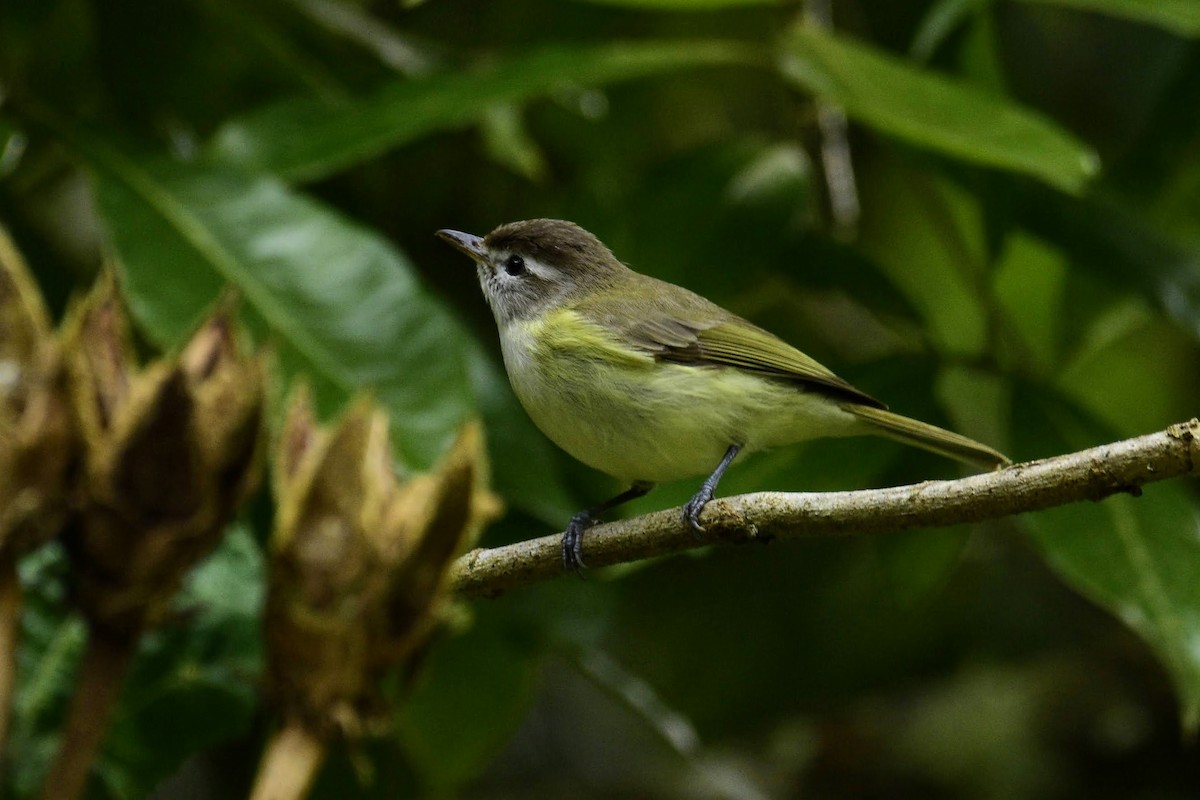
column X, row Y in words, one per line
column 1086, row 475
column 289, row 764
column 96, row 693
column 845, row 208
column 10, row 631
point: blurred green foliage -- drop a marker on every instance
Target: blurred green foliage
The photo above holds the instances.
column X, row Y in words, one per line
column 1025, row 268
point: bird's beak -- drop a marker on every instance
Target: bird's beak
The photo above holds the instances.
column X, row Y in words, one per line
column 468, row 243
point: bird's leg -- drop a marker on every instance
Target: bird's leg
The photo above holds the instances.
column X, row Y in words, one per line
column 572, row 540
column 691, row 511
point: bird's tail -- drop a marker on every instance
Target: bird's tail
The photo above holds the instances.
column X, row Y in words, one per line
column 929, row 437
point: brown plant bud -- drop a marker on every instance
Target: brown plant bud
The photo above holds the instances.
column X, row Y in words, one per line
column 358, row 560
column 37, row 442
column 170, row 453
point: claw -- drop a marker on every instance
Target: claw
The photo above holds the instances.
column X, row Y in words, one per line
column 693, row 509
column 572, row 542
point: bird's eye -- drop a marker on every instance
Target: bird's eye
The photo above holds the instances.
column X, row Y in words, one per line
column 514, row 265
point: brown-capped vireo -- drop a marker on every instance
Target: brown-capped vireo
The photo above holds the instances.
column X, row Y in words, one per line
column 649, row 382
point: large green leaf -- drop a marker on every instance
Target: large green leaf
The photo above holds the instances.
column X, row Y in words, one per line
column 309, row 138
column 339, row 302
column 935, row 112
column 1136, row 557
column 926, row 235
column 1178, row 16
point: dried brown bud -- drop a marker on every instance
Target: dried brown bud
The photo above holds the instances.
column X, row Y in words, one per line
column 358, row 560
column 170, row 454
column 37, row 443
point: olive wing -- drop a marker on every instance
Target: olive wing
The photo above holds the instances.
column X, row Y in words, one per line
column 679, row 327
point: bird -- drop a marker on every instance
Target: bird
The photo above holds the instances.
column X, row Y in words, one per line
column 649, row 382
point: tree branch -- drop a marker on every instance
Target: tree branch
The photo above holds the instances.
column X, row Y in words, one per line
column 1092, row 474
column 96, row 693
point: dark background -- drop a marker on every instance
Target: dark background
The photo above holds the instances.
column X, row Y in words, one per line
column 996, row 282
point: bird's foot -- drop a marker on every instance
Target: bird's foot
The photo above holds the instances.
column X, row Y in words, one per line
column 693, row 509
column 572, row 542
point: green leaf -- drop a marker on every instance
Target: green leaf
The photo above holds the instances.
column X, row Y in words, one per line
column 1135, row 557
column 935, row 112
column 509, row 143
column 52, row 641
column 927, row 236
column 1030, row 284
column 307, row 139
column 942, row 19
column 339, row 302
column 1116, row 243
column 460, row 714
column 1135, row 371
column 223, row 599
column 195, row 684
column 1181, row 17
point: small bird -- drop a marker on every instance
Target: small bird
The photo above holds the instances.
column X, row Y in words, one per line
column 649, row 382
